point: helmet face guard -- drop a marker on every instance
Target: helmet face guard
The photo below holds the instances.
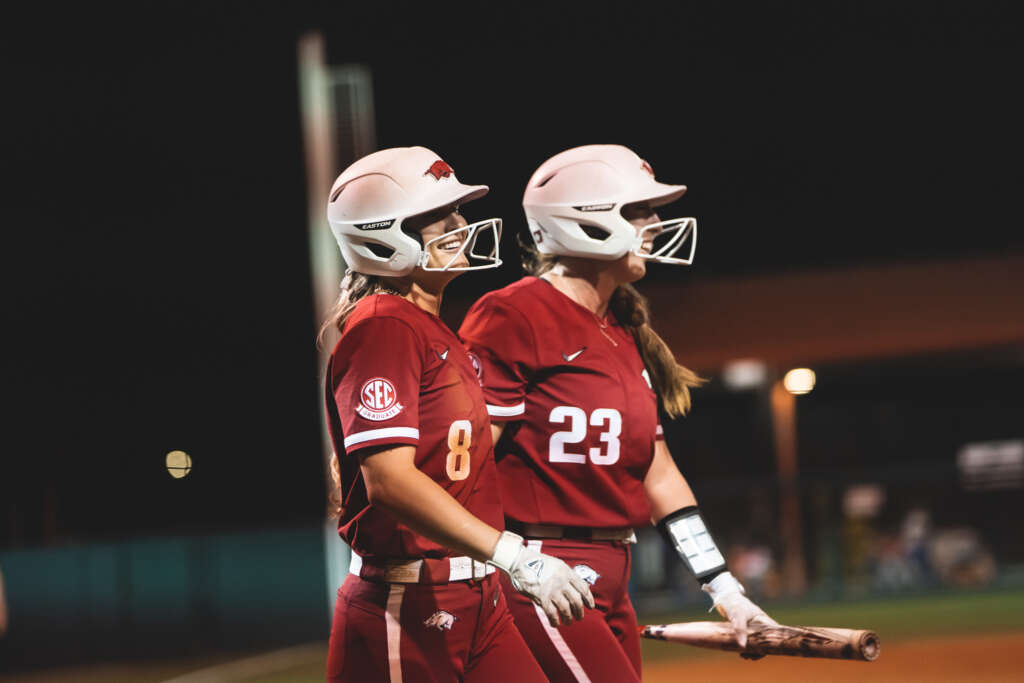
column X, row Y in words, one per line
column 470, row 237
column 667, row 238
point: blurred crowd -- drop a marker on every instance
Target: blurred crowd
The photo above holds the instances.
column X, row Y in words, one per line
column 862, row 555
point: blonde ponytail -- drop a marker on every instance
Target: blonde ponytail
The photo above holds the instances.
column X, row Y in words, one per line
column 671, row 381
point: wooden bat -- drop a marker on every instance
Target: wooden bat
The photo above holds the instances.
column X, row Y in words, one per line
column 773, row 639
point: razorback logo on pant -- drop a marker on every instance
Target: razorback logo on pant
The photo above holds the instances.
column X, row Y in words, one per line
column 441, row 620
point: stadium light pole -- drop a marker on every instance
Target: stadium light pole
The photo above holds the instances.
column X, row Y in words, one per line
column 783, row 409
column 337, row 128
column 325, row 268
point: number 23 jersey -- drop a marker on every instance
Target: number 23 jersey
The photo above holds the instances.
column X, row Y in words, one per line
column 581, row 415
column 399, row 376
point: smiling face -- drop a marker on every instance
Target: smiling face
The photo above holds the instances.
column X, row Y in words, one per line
column 631, row 267
column 442, row 252
column 434, row 224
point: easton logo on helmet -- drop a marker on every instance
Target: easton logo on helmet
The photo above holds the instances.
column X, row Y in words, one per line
column 595, row 207
column 376, row 225
column 439, row 169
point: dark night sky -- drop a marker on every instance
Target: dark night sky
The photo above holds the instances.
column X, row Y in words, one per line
column 158, row 293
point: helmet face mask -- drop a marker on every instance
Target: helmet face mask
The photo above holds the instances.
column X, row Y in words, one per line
column 470, row 238
column 574, row 203
column 371, row 200
column 667, row 238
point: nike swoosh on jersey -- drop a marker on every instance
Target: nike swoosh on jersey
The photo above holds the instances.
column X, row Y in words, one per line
column 443, row 356
column 573, row 356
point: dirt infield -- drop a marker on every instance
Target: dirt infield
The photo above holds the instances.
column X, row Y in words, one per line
column 986, row 658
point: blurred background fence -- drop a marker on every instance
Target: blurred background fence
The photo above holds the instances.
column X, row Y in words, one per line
column 164, row 597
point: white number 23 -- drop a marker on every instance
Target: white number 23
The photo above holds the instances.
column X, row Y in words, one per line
column 577, row 432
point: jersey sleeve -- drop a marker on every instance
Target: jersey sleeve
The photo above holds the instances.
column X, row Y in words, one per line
column 376, row 383
column 502, row 342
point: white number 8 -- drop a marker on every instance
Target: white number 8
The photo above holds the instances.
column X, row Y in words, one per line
column 460, row 435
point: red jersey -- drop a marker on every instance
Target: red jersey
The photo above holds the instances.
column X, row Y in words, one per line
column 399, row 376
column 582, row 415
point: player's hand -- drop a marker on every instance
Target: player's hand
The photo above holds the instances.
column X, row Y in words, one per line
column 731, row 603
column 546, row 580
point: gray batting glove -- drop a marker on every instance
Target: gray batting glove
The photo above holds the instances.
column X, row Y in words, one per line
column 546, row 580
column 728, row 598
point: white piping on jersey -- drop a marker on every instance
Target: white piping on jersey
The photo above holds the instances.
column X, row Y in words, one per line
column 556, row 638
column 502, row 411
column 393, row 622
column 385, row 433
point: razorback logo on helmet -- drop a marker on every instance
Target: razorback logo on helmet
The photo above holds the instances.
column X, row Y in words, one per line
column 441, row 620
column 439, row 169
column 378, row 400
column 647, row 167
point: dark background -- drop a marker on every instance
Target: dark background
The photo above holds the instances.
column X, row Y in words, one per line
column 158, row 292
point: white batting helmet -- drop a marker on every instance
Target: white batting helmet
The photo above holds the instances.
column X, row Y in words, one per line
column 373, row 197
column 584, row 188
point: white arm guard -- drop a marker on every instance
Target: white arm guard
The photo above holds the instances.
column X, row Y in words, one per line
column 685, row 530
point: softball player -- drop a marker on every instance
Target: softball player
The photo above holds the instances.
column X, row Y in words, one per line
column 416, row 482
column 573, row 374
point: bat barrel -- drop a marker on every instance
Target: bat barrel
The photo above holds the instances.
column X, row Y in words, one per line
column 774, row 639
column 869, row 646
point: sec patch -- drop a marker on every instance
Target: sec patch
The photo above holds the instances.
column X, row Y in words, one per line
column 378, row 400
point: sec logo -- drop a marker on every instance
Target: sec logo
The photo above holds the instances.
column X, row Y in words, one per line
column 378, row 399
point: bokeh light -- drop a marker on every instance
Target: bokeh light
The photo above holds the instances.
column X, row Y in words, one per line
column 179, row 464
column 799, row 381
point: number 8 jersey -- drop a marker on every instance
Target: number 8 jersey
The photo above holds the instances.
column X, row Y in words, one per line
column 582, row 416
column 398, row 376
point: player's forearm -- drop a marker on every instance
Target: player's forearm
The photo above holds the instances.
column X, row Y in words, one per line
column 496, row 429
column 416, row 501
column 666, row 487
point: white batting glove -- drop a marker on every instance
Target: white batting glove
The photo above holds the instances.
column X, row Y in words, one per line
column 546, row 580
column 728, row 598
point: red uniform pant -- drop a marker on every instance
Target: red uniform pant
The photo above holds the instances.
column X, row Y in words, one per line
column 605, row 645
column 408, row 633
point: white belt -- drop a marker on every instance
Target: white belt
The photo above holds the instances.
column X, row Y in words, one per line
column 459, row 569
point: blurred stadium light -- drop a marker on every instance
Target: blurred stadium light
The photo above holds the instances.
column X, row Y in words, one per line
column 799, row 381
column 746, row 373
column 338, row 128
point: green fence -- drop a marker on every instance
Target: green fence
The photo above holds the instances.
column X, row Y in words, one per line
column 164, row 597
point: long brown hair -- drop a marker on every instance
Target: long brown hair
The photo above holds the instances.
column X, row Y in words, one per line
column 354, row 287
column 671, row 381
